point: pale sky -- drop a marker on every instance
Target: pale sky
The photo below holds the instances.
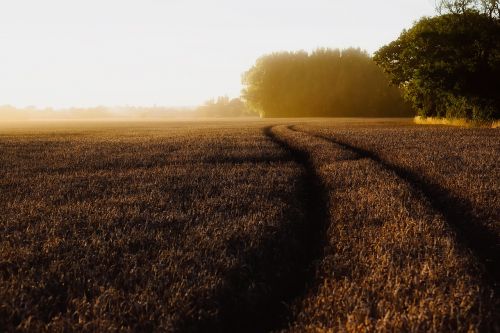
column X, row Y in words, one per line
column 62, row 53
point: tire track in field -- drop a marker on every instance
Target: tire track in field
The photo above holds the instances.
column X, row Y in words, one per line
column 484, row 245
column 313, row 231
column 323, row 154
column 280, row 280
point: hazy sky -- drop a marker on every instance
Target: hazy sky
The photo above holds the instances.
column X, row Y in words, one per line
column 171, row 52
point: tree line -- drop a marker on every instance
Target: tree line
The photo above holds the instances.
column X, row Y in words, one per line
column 224, row 106
column 444, row 66
column 324, row 83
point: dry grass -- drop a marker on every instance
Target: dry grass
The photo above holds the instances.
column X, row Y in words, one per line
column 460, row 122
column 459, row 165
column 391, row 262
column 247, row 226
column 162, row 228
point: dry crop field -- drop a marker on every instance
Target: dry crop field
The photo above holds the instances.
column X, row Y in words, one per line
column 275, row 225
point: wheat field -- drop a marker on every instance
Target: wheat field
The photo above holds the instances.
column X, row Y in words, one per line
column 318, row 225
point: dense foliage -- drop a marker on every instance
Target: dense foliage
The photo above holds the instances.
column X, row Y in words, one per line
column 448, row 65
column 325, row 83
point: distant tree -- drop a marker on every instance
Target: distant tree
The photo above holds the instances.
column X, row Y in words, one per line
column 491, row 8
column 8, row 112
column 448, row 65
column 223, row 106
column 325, row 83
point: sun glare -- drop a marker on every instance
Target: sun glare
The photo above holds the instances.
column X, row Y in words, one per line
column 59, row 54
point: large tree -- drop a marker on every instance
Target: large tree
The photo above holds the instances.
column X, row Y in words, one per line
column 325, row 83
column 448, row 65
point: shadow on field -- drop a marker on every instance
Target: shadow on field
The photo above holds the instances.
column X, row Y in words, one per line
column 470, row 232
column 260, row 289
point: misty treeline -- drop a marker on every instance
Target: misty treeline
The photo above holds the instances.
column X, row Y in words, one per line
column 8, row 112
column 449, row 65
column 324, row 83
column 224, row 106
column 444, row 66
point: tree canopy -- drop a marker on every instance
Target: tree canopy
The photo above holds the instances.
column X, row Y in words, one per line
column 491, row 8
column 324, row 83
column 449, row 65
